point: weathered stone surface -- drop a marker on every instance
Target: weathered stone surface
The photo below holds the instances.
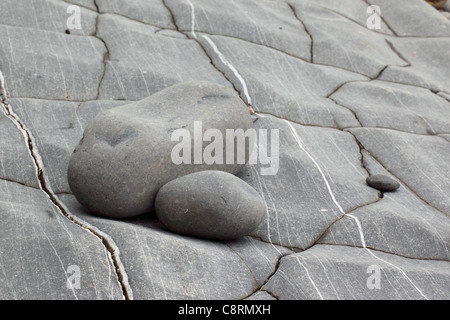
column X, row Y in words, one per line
column 164, row 265
column 125, row 155
column 90, row 4
column 340, row 42
column 29, row 13
column 210, row 204
column 52, row 65
column 267, row 23
column 261, row 295
column 151, row 12
column 153, row 63
column 382, row 183
column 58, row 127
column 419, row 161
column 390, row 105
column 340, row 272
column 445, row 136
column 400, row 223
column 428, row 61
column 282, row 85
column 413, row 18
column 136, row 50
column 354, row 10
column 320, row 177
column 38, row 245
column 16, row 163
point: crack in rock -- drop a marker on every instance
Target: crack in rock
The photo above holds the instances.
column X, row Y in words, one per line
column 311, row 60
column 111, row 248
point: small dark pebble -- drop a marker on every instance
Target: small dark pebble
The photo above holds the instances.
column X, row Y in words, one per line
column 382, row 183
column 67, row 31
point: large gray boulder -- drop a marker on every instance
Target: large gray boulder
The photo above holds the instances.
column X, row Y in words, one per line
column 211, row 204
column 125, row 155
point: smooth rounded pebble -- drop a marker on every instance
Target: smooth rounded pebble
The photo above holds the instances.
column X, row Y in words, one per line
column 125, row 155
column 382, row 183
column 210, row 204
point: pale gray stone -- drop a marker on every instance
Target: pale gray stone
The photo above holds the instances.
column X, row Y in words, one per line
column 164, row 265
column 320, row 177
column 260, row 295
column 125, row 154
column 390, row 105
column 332, row 272
column 444, row 95
column 354, row 10
column 50, row 15
column 340, row 42
column 151, row 12
column 445, row 136
column 57, row 127
column 413, row 18
column 137, row 51
column 16, row 162
column 268, row 23
column 210, row 204
column 38, row 245
column 282, row 85
column 52, row 65
column 428, row 61
column 90, row 4
column 142, row 61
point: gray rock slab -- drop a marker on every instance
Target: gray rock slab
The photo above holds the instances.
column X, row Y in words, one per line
column 16, row 163
column 210, row 204
column 413, row 18
column 444, row 95
column 429, row 63
column 280, row 84
column 332, row 272
column 354, row 10
column 445, row 136
column 339, row 41
column 51, row 65
column 261, row 295
column 40, row 250
column 418, row 161
column 164, row 265
column 151, row 12
column 267, row 23
column 127, row 153
column 319, row 177
column 390, row 105
column 57, row 127
column 142, row 62
column 90, row 4
column 47, row 15
column 399, row 223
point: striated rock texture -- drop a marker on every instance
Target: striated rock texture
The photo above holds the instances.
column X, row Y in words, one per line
column 348, row 101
